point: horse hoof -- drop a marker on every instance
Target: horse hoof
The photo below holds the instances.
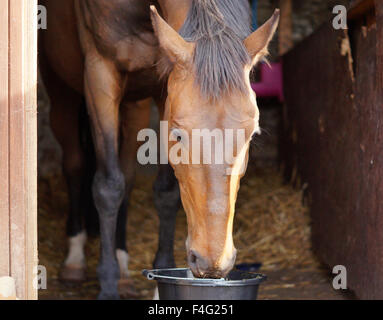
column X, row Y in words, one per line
column 156, row 295
column 72, row 274
column 127, row 290
column 108, row 296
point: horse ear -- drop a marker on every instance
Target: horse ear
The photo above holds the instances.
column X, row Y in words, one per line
column 258, row 42
column 176, row 48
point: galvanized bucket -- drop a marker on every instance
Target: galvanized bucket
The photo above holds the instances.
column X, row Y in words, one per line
column 180, row 284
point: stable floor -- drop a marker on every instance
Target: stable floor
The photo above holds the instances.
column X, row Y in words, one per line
column 272, row 227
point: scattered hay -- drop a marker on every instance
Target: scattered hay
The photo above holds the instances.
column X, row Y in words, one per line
column 271, row 227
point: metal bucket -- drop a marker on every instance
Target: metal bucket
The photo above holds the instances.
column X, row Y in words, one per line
column 180, row 284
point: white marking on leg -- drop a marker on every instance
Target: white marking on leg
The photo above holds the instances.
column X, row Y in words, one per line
column 123, row 262
column 76, row 255
column 156, row 294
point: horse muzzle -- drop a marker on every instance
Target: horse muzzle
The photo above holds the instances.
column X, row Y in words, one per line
column 204, row 267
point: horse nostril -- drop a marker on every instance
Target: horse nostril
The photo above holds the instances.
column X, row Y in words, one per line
column 193, row 258
column 197, row 263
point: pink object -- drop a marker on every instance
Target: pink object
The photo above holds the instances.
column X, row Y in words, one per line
column 271, row 84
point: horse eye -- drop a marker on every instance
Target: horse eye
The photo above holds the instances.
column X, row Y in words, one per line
column 176, row 133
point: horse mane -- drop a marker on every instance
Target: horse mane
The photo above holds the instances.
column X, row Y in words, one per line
column 219, row 27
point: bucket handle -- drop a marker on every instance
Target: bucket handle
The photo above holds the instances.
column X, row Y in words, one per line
column 149, row 274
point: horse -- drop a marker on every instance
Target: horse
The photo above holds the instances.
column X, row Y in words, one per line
column 111, row 57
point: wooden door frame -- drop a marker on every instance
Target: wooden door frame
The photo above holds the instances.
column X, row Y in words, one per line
column 18, row 144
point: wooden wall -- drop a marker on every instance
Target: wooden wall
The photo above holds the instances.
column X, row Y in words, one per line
column 18, row 143
column 334, row 130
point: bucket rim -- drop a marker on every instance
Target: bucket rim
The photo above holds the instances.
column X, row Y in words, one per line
column 154, row 275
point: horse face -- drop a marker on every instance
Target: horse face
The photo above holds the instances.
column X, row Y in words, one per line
column 208, row 149
column 211, row 140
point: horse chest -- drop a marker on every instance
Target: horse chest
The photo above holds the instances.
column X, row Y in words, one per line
column 122, row 31
column 133, row 54
column 143, row 84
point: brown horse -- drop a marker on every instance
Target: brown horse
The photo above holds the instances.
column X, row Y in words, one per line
column 108, row 52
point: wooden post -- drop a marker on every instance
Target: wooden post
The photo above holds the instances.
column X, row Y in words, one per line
column 286, row 26
column 18, row 136
column 4, row 143
column 30, row 105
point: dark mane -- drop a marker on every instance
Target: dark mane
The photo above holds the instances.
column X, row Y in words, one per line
column 218, row 27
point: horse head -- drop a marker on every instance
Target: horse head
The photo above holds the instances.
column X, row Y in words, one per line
column 211, row 104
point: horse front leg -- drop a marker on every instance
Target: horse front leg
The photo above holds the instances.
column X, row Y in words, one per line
column 103, row 89
column 134, row 117
column 66, row 106
column 167, row 201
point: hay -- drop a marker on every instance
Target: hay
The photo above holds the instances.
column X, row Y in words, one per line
column 271, row 227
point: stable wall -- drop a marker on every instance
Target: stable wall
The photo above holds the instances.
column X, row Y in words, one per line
column 334, row 139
